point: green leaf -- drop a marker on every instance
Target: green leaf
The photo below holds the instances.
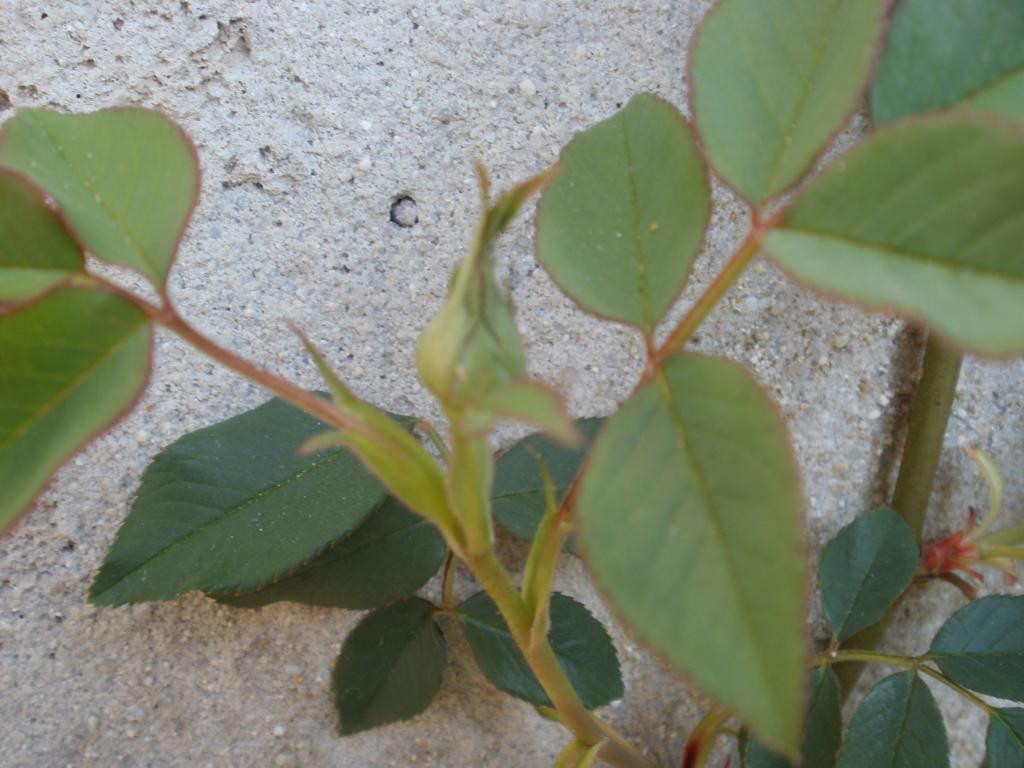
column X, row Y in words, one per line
column 925, row 218
column 981, row 646
column 70, row 365
column 385, row 446
column 689, row 518
column 621, row 224
column 526, row 401
column 898, row 725
column 1004, row 743
column 390, row 666
column 36, row 251
column 126, row 179
column 864, row 569
column 771, row 82
column 391, row 555
column 579, row 641
column 518, row 493
column 822, row 729
column 951, row 53
column 232, row 507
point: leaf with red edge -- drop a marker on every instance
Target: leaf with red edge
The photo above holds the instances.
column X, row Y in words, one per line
column 126, row 180
column 70, row 365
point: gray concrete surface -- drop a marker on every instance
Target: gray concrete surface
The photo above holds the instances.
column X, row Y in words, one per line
column 310, row 119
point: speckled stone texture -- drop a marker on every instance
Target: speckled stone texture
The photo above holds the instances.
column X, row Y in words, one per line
column 312, row 119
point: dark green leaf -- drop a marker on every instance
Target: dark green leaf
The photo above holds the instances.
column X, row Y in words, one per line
column 126, row 179
column 898, row 725
column 36, row 251
column 580, row 642
column 622, row 222
column 689, row 517
column 951, row 53
column 391, row 555
column 925, row 218
column 70, row 365
column 234, row 506
column 1004, row 743
column 518, row 492
column 822, row 729
column 390, row 666
column 772, row 81
column 864, row 569
column 981, row 646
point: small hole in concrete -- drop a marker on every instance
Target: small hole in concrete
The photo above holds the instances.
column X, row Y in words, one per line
column 403, row 211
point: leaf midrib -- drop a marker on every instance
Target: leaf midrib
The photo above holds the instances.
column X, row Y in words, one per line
column 927, row 259
column 228, row 514
column 100, row 200
column 806, row 86
column 665, row 392
column 860, row 585
column 62, row 395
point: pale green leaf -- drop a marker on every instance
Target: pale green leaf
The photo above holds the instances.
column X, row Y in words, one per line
column 527, row 401
column 126, row 179
column 689, row 518
column 621, row 223
column 70, row 365
column 36, row 251
column 822, row 729
column 772, row 81
column 925, row 218
column 941, row 54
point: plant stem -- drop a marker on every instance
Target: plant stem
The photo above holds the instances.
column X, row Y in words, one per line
column 865, row 657
column 586, row 726
column 167, row 317
column 723, row 281
column 915, row 663
column 929, row 415
column 970, row 696
column 702, row 739
column 448, row 581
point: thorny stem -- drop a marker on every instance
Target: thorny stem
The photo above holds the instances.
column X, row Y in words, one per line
column 587, row 727
column 929, row 415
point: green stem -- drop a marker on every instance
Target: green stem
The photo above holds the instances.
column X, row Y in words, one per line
column 448, row 581
column 167, row 317
column 725, row 279
column 915, row 663
column 964, row 693
column 865, row 657
column 929, row 415
column 587, row 727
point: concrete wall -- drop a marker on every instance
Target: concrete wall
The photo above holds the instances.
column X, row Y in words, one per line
column 310, row 118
